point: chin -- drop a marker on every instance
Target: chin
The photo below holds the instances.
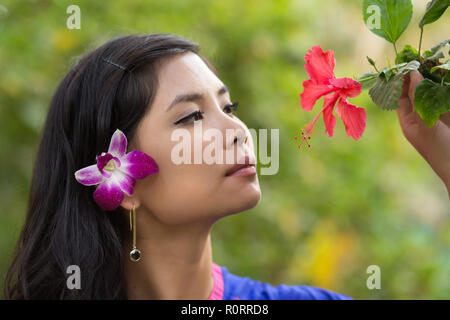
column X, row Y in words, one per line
column 253, row 198
column 245, row 199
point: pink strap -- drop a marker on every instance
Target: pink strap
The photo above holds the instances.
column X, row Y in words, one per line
column 217, row 291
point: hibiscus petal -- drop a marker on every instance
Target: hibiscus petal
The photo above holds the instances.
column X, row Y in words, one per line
column 328, row 103
column 312, row 92
column 348, row 87
column 320, row 65
column 118, row 144
column 328, row 118
column 354, row 118
column 108, row 195
column 138, row 165
column 124, row 181
column 89, row 176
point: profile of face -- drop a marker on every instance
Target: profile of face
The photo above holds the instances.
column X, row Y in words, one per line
column 192, row 192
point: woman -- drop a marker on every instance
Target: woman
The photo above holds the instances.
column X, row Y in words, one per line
column 138, row 84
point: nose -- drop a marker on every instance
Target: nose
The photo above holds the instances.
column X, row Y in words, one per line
column 234, row 131
column 235, row 135
column 240, row 139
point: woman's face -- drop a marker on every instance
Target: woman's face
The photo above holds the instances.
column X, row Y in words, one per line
column 183, row 193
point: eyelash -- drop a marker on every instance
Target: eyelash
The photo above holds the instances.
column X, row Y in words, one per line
column 232, row 107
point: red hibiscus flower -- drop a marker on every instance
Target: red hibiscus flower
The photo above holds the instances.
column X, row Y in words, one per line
column 320, row 67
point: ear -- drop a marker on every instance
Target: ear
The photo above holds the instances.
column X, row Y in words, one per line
column 127, row 202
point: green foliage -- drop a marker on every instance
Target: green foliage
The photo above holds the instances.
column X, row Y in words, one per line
column 431, row 100
column 445, row 66
column 428, row 55
column 436, row 53
column 387, row 73
column 440, row 46
column 387, row 89
column 407, row 54
column 385, row 94
column 435, row 9
column 394, row 17
column 368, row 79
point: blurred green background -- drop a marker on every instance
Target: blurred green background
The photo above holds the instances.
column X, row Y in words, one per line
column 331, row 211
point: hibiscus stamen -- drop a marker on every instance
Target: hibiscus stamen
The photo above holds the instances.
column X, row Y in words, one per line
column 304, row 139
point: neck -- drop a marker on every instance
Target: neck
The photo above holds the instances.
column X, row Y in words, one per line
column 175, row 262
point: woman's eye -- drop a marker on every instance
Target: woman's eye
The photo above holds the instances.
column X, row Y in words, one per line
column 196, row 115
column 230, row 108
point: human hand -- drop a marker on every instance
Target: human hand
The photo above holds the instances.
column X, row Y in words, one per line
column 433, row 144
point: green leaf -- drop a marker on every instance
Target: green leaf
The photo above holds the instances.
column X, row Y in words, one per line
column 436, row 52
column 385, row 94
column 407, row 54
column 412, row 65
column 436, row 56
column 389, row 72
column 387, row 18
column 368, row 79
column 435, row 9
column 445, row 66
column 447, row 78
column 431, row 100
column 441, row 44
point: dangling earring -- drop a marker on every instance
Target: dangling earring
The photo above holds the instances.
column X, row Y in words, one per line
column 135, row 254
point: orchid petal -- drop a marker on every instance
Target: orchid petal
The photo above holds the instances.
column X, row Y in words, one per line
column 102, row 162
column 108, row 195
column 124, row 181
column 118, row 144
column 312, row 92
column 320, row 65
column 138, row 165
column 348, row 87
column 328, row 118
column 89, row 176
column 354, row 118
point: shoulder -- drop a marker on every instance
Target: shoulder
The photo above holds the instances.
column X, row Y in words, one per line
column 245, row 288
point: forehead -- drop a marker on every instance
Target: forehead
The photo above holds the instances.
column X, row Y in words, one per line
column 185, row 73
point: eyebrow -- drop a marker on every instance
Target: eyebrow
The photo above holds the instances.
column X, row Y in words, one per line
column 189, row 97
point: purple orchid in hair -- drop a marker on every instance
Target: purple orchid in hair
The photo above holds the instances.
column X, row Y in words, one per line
column 116, row 172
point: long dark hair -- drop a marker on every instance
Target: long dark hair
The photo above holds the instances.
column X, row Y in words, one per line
column 111, row 87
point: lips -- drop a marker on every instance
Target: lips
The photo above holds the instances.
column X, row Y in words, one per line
column 244, row 168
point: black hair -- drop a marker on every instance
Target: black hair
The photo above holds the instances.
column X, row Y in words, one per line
column 109, row 88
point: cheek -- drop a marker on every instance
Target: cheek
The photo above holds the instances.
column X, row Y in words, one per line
column 180, row 193
column 189, row 193
column 193, row 192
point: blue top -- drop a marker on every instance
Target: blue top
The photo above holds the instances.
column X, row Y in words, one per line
column 243, row 288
